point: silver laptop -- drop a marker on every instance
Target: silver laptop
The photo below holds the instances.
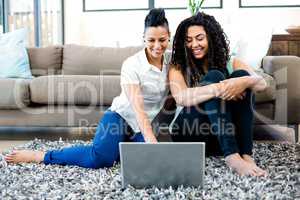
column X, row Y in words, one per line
column 162, row 165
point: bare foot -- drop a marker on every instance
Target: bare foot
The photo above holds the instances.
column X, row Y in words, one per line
column 25, row 156
column 242, row 167
column 250, row 160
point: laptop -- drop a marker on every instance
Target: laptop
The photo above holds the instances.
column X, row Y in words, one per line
column 162, row 165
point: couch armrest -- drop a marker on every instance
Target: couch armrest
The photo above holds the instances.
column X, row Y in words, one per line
column 286, row 72
column 272, row 64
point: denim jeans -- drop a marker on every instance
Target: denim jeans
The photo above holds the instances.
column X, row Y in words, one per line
column 225, row 126
column 104, row 151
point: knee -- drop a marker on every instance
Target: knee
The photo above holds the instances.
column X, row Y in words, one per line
column 214, row 76
column 250, row 96
column 239, row 73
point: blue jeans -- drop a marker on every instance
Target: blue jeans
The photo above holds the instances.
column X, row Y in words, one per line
column 225, row 126
column 104, row 151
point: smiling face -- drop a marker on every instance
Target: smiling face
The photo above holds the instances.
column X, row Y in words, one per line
column 197, row 41
column 156, row 41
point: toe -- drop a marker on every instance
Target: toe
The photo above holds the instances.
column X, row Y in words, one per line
column 253, row 173
column 259, row 170
column 264, row 173
column 8, row 159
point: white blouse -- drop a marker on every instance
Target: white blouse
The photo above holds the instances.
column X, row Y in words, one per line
column 154, row 87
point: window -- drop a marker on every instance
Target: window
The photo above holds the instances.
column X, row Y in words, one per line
column 1, row 17
column 51, row 22
column 104, row 5
column 42, row 18
column 21, row 15
column 268, row 3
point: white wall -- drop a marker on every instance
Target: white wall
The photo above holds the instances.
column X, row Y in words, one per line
column 125, row 28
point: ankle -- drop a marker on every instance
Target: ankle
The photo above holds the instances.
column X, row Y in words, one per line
column 246, row 156
column 39, row 156
column 234, row 160
column 234, row 156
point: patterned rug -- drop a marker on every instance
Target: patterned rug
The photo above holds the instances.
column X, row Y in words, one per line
column 38, row 181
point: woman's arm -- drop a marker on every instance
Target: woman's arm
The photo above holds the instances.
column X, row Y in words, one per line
column 185, row 96
column 254, row 82
column 133, row 92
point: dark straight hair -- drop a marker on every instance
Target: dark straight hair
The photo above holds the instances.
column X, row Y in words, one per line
column 156, row 17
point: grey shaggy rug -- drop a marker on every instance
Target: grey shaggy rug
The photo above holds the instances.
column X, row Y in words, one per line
column 38, row 181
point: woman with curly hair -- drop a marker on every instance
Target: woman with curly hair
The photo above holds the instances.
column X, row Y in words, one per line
column 214, row 93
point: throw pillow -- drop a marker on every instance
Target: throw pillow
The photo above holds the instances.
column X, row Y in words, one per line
column 14, row 62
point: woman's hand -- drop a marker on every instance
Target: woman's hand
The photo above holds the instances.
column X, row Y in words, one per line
column 134, row 94
column 151, row 139
column 234, row 88
column 239, row 96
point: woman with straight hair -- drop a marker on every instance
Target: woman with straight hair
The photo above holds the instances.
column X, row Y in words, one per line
column 144, row 89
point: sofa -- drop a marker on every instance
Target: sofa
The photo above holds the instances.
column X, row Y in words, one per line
column 73, row 85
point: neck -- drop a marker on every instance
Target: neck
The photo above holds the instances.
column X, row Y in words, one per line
column 202, row 64
column 157, row 62
column 205, row 65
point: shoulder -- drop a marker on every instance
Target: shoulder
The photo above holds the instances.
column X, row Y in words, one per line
column 176, row 78
column 133, row 59
column 174, row 71
column 130, row 70
column 131, row 62
column 174, row 67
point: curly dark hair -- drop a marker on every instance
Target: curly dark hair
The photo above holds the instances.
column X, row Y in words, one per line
column 218, row 48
